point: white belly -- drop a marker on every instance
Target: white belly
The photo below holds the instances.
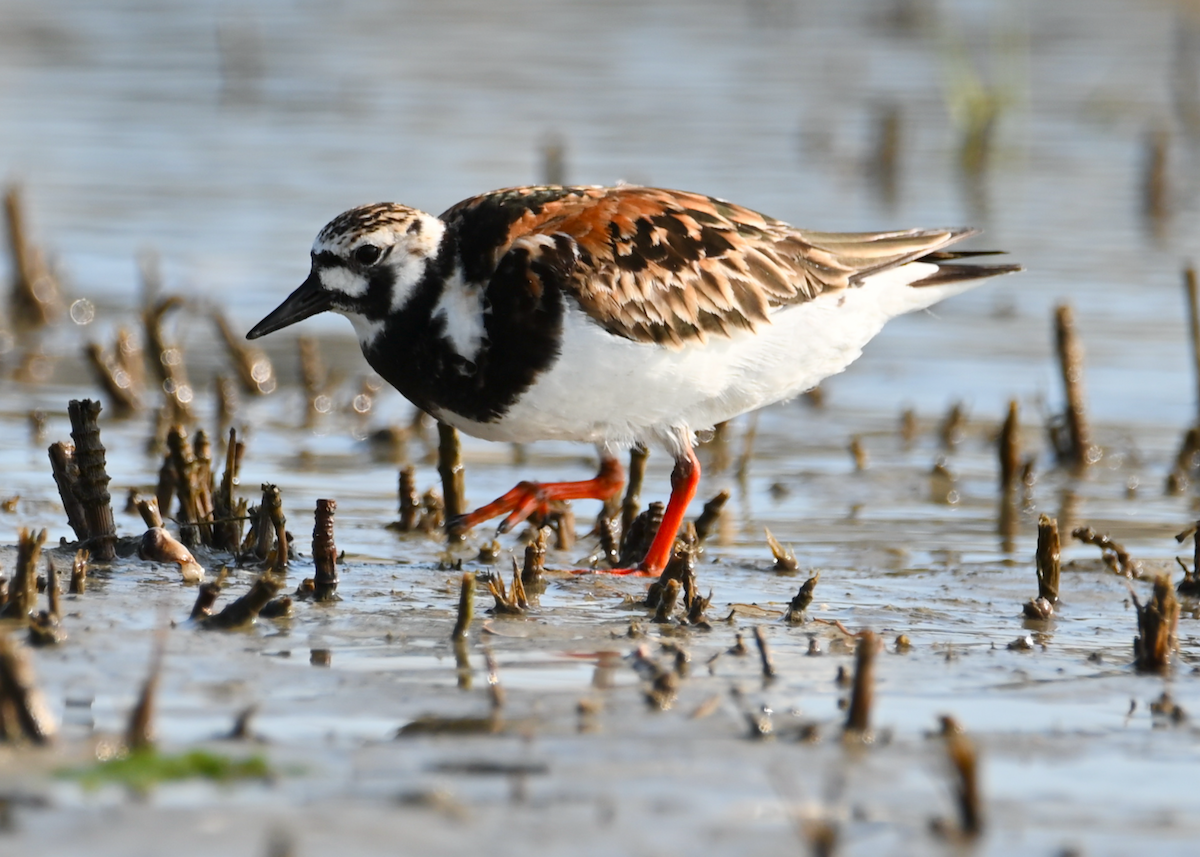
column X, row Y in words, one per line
column 604, row 388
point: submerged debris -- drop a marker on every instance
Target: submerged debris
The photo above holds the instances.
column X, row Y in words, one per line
column 245, row 610
column 1114, row 555
column 158, row 545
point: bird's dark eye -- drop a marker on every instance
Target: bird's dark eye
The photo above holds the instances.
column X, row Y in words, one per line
column 367, row 254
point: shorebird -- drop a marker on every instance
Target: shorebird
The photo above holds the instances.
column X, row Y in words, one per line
column 611, row 315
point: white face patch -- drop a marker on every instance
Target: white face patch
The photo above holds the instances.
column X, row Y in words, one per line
column 410, row 256
column 343, row 281
column 366, row 330
column 461, row 306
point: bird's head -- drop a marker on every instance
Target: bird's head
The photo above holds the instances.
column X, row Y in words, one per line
column 365, row 265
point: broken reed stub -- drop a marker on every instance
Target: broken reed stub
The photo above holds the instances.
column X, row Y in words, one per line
column 1048, row 558
column 91, row 490
column 245, row 610
column 466, row 607
column 410, row 501
column 631, row 503
column 35, row 299
column 325, row 579
column 22, row 589
column 764, row 652
column 1193, row 302
column 858, row 717
column 23, row 709
column 139, row 731
column 66, row 474
column 450, row 468
column 639, row 535
column 535, row 560
column 799, row 604
column 1072, row 436
column 1009, row 449
column 710, row 515
column 964, row 769
column 1158, row 621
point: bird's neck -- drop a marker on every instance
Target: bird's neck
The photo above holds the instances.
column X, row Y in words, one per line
column 470, row 348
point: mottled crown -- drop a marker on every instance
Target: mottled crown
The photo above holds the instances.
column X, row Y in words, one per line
column 347, row 227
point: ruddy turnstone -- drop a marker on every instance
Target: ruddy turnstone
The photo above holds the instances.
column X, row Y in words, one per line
column 611, row 315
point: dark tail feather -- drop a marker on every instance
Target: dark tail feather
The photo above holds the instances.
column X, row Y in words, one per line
column 946, row 255
column 957, row 273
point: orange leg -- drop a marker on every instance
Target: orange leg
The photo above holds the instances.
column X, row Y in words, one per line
column 530, row 498
column 684, row 479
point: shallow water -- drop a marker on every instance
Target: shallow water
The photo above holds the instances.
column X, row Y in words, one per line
column 223, row 139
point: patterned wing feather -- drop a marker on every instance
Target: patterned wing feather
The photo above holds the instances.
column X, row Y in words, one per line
column 673, row 267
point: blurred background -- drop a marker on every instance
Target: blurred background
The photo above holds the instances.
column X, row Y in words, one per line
column 222, row 136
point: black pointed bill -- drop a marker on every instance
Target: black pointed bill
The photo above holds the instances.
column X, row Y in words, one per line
column 308, row 300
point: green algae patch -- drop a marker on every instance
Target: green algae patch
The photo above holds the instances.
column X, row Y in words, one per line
column 142, row 770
